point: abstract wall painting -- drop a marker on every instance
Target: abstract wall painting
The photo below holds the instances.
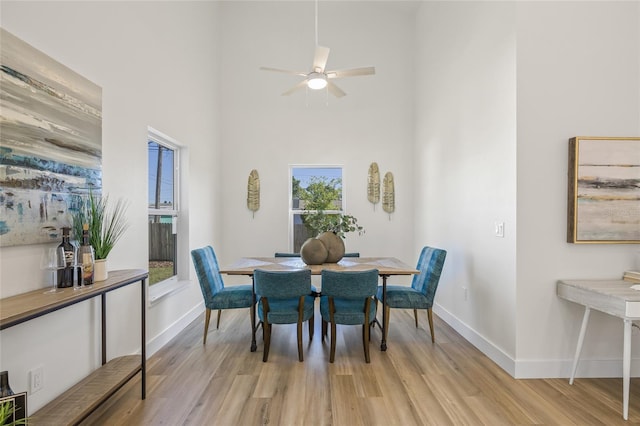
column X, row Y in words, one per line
column 604, row 190
column 50, row 143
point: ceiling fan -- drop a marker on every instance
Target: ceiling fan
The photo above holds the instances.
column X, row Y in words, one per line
column 319, row 78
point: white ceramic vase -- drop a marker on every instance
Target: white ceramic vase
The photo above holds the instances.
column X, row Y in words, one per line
column 100, row 270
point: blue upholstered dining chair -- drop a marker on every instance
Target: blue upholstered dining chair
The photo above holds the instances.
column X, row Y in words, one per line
column 423, row 288
column 284, row 298
column 215, row 294
column 347, row 298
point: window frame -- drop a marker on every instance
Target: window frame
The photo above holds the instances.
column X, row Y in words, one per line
column 180, row 222
column 293, row 212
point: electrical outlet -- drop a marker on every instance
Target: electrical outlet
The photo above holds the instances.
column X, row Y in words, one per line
column 499, row 229
column 465, row 293
column 36, row 379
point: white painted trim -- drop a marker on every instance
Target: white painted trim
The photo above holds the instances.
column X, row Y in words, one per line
column 165, row 288
column 494, row 353
column 157, row 342
column 539, row 368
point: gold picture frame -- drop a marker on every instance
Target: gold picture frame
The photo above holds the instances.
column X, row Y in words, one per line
column 604, row 190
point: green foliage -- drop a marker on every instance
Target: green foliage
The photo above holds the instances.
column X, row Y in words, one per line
column 106, row 224
column 6, row 412
column 295, row 187
column 337, row 223
column 320, row 195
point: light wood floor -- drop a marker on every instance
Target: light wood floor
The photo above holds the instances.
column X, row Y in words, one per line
column 414, row 383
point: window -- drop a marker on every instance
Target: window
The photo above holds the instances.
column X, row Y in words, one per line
column 313, row 189
column 164, row 208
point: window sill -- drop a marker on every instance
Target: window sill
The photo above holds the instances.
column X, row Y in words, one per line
column 161, row 290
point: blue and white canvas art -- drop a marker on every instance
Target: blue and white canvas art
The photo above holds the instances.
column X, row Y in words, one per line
column 50, row 143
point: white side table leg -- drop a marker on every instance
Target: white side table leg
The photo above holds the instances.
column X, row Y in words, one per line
column 626, row 368
column 583, row 331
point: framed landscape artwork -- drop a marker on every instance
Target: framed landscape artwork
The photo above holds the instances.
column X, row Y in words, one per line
column 50, row 143
column 604, row 190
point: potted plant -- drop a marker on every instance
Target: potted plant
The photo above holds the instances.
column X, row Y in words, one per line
column 331, row 230
column 106, row 225
column 8, row 411
column 339, row 224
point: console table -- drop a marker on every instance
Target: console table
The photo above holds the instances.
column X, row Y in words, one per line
column 613, row 297
column 77, row 403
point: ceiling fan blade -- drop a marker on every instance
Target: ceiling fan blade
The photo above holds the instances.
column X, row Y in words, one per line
column 335, row 90
column 320, row 58
column 300, row 73
column 295, row 88
column 352, row 72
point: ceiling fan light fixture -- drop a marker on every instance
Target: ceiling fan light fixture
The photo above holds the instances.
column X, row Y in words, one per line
column 316, row 81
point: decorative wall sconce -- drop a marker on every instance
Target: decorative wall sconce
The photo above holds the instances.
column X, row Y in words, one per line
column 388, row 196
column 373, row 185
column 253, row 192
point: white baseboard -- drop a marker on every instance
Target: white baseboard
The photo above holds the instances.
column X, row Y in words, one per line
column 486, row 347
column 157, row 342
column 536, row 369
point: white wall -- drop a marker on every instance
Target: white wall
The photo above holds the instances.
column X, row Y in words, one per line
column 578, row 75
column 156, row 64
column 503, row 88
column 268, row 132
column 465, row 165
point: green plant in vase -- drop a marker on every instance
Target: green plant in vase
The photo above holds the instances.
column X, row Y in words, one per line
column 107, row 223
column 7, row 410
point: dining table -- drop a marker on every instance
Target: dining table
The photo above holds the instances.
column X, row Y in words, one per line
column 386, row 266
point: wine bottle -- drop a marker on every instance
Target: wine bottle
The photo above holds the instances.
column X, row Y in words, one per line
column 86, row 257
column 65, row 276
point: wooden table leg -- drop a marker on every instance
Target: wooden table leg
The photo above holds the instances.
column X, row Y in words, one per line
column 583, row 331
column 626, row 368
column 254, row 346
column 383, row 344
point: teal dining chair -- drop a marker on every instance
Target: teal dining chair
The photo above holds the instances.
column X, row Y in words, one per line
column 347, row 298
column 422, row 291
column 284, row 298
column 215, row 294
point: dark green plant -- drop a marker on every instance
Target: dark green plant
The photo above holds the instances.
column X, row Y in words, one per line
column 6, row 412
column 339, row 224
column 106, row 223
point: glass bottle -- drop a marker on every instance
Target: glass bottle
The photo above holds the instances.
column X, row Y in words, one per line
column 5, row 389
column 65, row 276
column 86, row 257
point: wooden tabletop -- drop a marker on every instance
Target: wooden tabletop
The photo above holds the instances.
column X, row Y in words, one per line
column 23, row 307
column 384, row 265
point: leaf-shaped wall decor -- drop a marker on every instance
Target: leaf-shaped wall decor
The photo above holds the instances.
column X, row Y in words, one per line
column 253, row 191
column 388, row 196
column 373, row 185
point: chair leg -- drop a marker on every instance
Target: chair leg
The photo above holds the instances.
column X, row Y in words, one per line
column 365, row 342
column 332, row 356
column 430, row 316
column 207, row 318
column 415, row 315
column 311, row 327
column 300, row 358
column 266, row 332
column 218, row 322
column 386, row 319
column 325, row 325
